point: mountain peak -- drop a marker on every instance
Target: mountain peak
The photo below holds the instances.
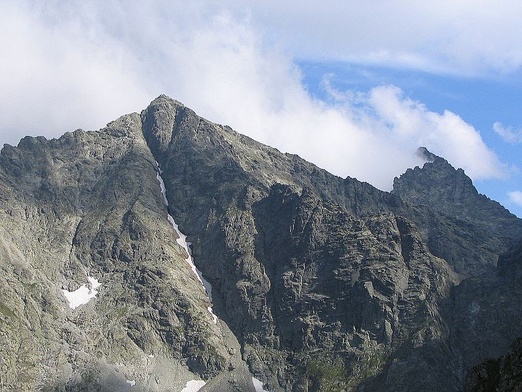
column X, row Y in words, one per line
column 428, row 156
column 165, row 98
column 448, row 192
column 436, row 183
column 445, row 190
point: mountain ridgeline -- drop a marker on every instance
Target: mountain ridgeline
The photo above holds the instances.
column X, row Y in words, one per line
column 319, row 283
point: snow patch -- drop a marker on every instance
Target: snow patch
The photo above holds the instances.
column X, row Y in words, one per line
column 82, row 295
column 162, row 185
column 182, row 241
column 193, row 386
column 258, row 385
column 131, row 382
column 214, row 317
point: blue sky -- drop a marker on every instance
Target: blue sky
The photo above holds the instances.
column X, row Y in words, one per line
column 353, row 86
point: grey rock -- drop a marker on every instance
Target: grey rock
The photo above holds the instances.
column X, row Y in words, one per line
column 456, row 212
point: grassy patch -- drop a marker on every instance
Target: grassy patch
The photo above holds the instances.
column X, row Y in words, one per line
column 371, row 363
column 329, row 375
column 29, row 287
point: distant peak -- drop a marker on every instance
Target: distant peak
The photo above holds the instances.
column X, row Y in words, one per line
column 426, row 155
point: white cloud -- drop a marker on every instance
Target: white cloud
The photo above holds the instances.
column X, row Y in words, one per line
column 81, row 63
column 467, row 36
column 444, row 134
column 515, row 197
column 457, row 37
column 509, row 134
column 57, row 75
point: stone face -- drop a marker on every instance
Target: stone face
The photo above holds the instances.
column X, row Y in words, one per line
column 320, row 283
column 487, row 311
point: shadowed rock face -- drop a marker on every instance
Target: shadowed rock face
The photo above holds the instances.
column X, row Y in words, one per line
column 503, row 374
column 320, row 283
column 487, row 316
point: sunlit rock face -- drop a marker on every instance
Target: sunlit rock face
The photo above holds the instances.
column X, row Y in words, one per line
column 316, row 282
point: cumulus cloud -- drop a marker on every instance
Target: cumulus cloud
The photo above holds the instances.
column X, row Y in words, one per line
column 508, row 134
column 81, row 64
column 58, row 74
column 445, row 134
column 515, row 197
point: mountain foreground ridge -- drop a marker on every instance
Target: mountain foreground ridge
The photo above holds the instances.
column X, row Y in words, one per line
column 318, row 283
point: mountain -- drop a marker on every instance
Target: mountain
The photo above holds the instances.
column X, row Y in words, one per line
column 319, row 283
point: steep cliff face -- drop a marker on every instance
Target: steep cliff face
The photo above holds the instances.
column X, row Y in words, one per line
column 309, row 266
column 319, row 283
column 486, row 311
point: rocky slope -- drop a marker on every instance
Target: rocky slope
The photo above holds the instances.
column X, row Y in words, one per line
column 481, row 331
column 320, row 283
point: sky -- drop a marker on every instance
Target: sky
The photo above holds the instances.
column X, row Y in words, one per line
column 353, row 86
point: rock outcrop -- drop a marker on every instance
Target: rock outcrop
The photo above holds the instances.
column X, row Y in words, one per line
column 319, row 283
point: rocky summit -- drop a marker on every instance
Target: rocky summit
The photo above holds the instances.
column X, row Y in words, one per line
column 289, row 278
